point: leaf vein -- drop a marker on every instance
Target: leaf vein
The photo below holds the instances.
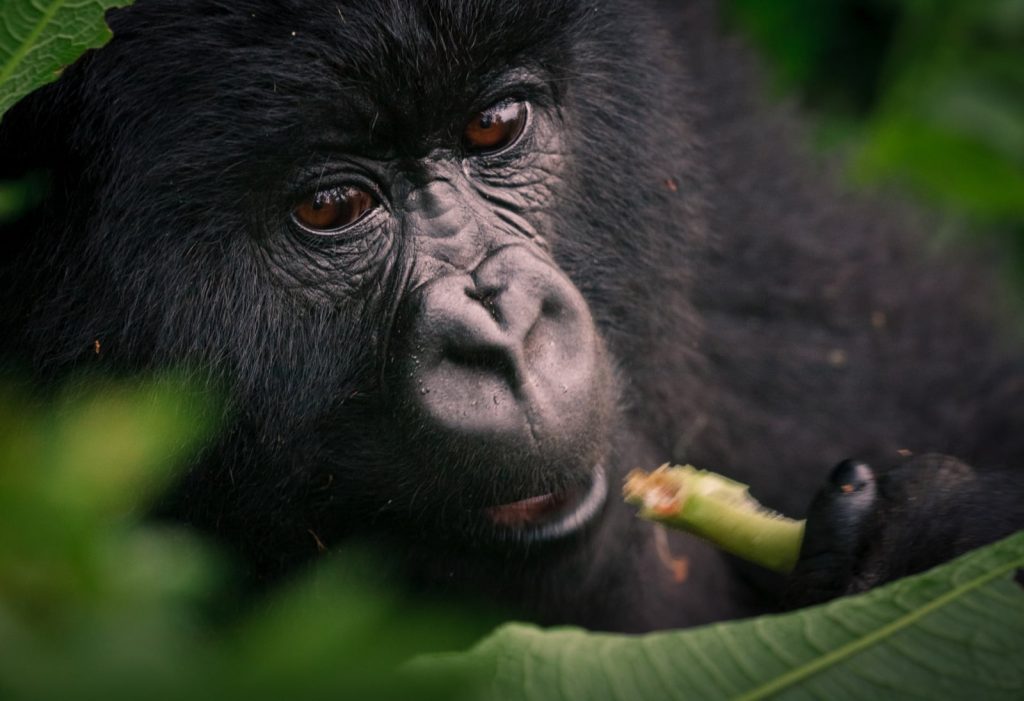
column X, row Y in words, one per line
column 26, row 46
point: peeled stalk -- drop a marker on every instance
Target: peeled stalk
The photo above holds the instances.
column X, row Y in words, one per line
column 718, row 509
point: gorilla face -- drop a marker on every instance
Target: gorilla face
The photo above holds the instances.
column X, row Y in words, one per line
column 491, row 393
column 495, row 377
column 499, row 380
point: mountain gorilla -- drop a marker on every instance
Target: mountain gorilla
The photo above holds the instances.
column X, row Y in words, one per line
column 459, row 264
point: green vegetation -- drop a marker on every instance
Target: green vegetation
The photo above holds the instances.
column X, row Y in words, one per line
column 956, row 632
column 925, row 94
column 96, row 602
column 38, row 39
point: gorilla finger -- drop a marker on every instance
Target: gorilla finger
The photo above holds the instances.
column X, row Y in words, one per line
column 838, row 525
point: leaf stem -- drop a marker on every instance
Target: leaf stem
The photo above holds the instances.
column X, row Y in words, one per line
column 719, row 510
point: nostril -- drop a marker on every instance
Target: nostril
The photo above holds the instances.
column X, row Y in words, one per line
column 488, row 298
column 550, row 308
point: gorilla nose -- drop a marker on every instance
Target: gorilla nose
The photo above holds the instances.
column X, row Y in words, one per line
column 506, row 352
column 522, row 306
column 489, row 346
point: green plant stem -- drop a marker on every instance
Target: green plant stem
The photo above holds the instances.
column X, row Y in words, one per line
column 718, row 509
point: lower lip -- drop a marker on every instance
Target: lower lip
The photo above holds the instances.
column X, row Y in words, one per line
column 549, row 517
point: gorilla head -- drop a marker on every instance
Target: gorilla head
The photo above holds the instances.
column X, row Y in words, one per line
column 428, row 247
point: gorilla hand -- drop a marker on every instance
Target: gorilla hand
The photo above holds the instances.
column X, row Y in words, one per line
column 870, row 525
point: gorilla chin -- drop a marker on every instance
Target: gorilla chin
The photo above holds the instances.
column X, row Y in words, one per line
column 503, row 379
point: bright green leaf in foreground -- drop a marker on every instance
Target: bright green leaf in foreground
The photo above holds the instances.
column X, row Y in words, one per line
column 39, row 37
column 956, row 632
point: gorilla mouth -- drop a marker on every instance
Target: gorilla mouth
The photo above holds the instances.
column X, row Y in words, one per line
column 551, row 516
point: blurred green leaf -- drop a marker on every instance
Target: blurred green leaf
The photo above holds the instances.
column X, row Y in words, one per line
column 75, row 475
column 98, row 603
column 102, row 448
column 18, row 196
column 926, row 94
column 944, row 165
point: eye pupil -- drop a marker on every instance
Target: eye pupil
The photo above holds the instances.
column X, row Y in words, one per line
column 330, row 210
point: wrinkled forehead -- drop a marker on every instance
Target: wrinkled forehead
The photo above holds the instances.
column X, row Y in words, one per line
column 394, row 62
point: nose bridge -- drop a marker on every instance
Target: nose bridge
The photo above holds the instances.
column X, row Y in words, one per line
column 437, row 210
column 448, row 227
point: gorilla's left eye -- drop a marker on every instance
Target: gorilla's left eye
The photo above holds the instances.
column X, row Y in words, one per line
column 496, row 127
column 328, row 211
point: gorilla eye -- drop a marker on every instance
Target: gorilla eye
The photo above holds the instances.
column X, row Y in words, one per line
column 330, row 210
column 496, row 127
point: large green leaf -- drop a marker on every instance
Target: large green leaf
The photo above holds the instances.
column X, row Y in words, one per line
column 39, row 37
column 956, row 631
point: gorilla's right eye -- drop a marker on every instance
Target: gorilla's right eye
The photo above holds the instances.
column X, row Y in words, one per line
column 328, row 211
column 496, row 127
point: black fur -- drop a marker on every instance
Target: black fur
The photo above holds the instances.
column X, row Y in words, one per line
column 761, row 321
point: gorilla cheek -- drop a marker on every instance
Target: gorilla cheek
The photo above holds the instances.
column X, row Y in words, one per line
column 501, row 370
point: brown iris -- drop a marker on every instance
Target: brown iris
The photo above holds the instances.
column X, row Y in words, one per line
column 330, row 210
column 496, row 127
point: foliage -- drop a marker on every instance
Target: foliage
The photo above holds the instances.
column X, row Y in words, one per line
column 96, row 603
column 928, row 94
column 18, row 196
column 37, row 39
